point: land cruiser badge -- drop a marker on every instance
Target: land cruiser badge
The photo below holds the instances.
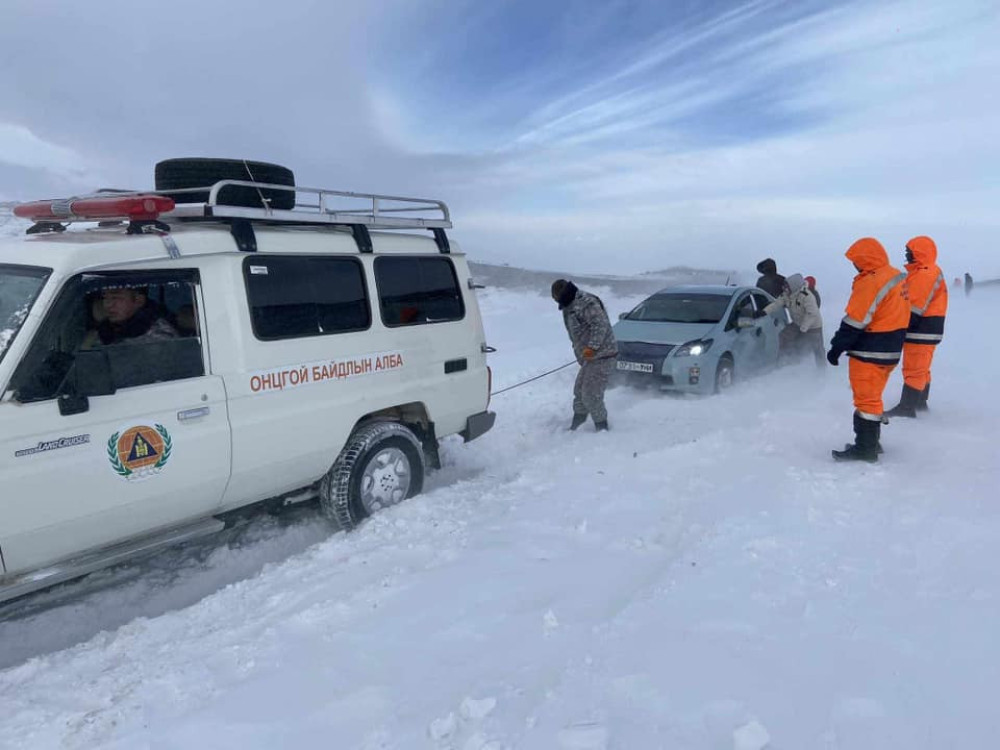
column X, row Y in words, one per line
column 139, row 452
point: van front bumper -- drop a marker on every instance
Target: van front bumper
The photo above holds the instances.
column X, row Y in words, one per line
column 478, row 424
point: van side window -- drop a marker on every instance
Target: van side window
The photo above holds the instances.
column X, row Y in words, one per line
column 296, row 296
column 418, row 290
column 146, row 323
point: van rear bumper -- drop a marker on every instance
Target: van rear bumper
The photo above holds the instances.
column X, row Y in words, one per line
column 478, row 424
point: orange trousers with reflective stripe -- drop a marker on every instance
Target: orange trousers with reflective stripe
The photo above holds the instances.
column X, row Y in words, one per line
column 917, row 364
column 868, row 382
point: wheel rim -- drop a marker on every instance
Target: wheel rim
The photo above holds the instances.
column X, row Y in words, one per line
column 386, row 479
column 725, row 376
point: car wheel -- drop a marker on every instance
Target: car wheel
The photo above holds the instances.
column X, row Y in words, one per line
column 725, row 374
column 178, row 174
column 381, row 465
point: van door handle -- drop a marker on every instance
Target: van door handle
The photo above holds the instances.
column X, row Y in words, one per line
column 188, row 414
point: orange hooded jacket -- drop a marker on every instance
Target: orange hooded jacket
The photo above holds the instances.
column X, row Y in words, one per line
column 928, row 292
column 878, row 312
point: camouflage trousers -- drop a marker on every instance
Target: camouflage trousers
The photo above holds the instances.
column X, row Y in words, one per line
column 588, row 392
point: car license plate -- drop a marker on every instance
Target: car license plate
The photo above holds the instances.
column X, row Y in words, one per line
column 635, row 366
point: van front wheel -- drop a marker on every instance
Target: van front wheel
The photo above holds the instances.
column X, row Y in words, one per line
column 381, row 465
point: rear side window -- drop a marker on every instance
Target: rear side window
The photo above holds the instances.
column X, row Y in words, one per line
column 295, row 296
column 760, row 301
column 413, row 291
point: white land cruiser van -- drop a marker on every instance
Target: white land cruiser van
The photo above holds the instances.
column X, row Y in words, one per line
column 198, row 351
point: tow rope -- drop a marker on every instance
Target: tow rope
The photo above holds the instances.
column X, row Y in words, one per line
column 531, row 380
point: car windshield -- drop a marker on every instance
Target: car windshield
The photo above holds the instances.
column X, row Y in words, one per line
column 680, row 307
column 19, row 287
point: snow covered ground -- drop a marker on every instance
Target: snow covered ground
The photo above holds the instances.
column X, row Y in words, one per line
column 704, row 576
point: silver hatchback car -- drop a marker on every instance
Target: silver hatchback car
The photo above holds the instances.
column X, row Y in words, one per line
column 697, row 339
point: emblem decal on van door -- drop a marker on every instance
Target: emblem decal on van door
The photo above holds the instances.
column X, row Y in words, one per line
column 139, row 452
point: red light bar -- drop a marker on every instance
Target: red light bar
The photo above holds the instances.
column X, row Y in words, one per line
column 133, row 208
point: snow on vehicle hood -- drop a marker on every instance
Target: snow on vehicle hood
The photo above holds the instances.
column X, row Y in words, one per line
column 661, row 333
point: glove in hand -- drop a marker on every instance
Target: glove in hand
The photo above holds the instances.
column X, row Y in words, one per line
column 588, row 353
column 832, row 356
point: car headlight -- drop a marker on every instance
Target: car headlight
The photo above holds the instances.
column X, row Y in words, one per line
column 693, row 348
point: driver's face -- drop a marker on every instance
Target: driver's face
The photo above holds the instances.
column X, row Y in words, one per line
column 121, row 304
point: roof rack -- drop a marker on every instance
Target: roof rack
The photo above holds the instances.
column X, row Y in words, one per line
column 317, row 206
column 309, row 207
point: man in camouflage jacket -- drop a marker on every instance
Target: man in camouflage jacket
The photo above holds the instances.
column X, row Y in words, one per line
column 594, row 347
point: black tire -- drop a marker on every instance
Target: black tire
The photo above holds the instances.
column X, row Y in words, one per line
column 340, row 492
column 725, row 374
column 178, row 174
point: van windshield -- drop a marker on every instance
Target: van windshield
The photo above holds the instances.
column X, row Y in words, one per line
column 19, row 288
column 682, row 308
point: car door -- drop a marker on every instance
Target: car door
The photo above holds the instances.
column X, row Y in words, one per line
column 150, row 455
column 749, row 342
column 771, row 326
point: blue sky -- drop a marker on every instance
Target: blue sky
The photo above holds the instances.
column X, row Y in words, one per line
column 578, row 135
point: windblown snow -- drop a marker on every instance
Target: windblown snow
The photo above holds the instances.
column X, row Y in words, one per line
column 703, row 576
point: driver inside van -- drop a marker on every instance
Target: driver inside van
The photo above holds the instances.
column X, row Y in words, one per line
column 126, row 315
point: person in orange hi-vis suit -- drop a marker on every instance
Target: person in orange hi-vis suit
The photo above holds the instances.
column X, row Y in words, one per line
column 928, row 293
column 872, row 334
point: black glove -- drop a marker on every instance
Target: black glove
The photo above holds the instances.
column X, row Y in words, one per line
column 832, row 356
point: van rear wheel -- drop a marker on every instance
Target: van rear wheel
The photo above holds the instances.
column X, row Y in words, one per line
column 381, row 465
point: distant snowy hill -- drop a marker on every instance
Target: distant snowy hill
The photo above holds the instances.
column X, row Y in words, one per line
column 508, row 277
column 10, row 225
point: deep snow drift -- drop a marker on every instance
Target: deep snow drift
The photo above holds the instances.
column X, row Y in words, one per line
column 704, row 576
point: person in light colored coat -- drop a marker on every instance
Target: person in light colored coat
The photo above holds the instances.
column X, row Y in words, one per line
column 805, row 334
column 595, row 349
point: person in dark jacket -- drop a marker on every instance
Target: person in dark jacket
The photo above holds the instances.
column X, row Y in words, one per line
column 128, row 316
column 594, row 347
column 770, row 281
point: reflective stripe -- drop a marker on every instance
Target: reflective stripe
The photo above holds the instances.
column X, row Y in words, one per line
column 889, row 285
column 852, row 322
column 874, row 355
column 869, row 417
column 924, row 336
column 934, row 287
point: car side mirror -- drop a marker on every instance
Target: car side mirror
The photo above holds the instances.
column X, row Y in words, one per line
column 745, row 322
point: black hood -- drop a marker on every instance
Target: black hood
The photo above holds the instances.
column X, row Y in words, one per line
column 767, row 266
column 564, row 292
column 568, row 295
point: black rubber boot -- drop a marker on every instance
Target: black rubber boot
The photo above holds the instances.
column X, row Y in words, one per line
column 601, row 426
column 907, row 406
column 578, row 419
column 866, row 442
column 921, row 404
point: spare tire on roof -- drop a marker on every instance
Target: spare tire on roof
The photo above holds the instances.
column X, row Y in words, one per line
column 178, row 174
